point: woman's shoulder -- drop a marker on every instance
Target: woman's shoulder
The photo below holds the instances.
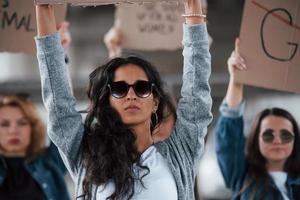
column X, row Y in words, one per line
column 49, row 155
column 293, row 179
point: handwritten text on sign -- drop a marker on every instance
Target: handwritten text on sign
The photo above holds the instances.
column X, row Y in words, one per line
column 18, row 25
column 10, row 18
column 281, row 15
column 270, row 44
column 151, row 26
column 152, row 20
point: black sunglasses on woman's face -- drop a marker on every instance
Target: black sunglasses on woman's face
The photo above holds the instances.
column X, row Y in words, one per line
column 286, row 136
column 119, row 89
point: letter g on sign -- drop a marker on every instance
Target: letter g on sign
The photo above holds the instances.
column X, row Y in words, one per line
column 294, row 45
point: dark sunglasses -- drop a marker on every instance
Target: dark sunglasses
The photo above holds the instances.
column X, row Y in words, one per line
column 285, row 136
column 119, row 89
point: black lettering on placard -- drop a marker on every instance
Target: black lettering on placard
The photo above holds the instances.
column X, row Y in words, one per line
column 172, row 8
column 171, row 17
column 152, row 20
column 161, row 28
column 263, row 35
column 141, row 16
column 155, row 16
column 150, row 6
column 5, row 4
column 15, row 21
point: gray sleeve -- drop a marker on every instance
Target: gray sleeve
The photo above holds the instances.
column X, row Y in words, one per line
column 194, row 107
column 234, row 112
column 64, row 125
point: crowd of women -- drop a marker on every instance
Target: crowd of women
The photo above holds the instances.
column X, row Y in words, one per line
column 133, row 142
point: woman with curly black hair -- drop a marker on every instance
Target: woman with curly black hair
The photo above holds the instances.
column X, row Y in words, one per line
column 112, row 154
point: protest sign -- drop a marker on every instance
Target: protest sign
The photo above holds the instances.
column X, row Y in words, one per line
column 152, row 26
column 98, row 2
column 270, row 38
column 18, row 25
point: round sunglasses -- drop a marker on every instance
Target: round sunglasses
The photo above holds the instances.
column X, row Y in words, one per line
column 284, row 135
column 119, row 89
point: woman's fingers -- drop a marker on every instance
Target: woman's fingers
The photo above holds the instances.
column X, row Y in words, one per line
column 236, row 62
column 237, row 45
column 240, row 66
column 238, row 59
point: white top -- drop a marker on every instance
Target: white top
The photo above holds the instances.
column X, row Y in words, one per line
column 159, row 183
column 280, row 178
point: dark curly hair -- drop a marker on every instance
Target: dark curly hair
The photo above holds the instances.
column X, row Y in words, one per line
column 256, row 161
column 108, row 146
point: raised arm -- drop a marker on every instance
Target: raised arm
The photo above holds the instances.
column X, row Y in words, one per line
column 194, row 107
column 65, row 127
column 45, row 20
column 235, row 62
column 186, row 142
column 230, row 139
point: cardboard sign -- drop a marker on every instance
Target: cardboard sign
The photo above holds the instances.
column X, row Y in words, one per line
column 270, row 39
column 18, row 25
column 97, row 2
column 152, row 26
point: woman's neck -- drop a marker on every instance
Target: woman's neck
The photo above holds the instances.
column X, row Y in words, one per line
column 275, row 165
column 13, row 153
column 143, row 136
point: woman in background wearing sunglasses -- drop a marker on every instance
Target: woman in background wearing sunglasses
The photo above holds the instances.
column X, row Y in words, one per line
column 112, row 155
column 270, row 168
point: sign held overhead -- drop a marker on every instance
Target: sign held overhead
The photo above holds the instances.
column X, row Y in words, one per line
column 151, row 26
column 99, row 2
column 18, row 25
column 270, row 39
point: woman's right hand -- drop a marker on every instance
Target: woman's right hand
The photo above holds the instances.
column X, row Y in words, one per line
column 45, row 20
column 235, row 62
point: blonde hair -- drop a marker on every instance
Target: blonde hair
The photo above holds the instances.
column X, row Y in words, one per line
column 38, row 134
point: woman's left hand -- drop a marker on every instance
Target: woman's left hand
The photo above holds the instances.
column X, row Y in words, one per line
column 113, row 40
